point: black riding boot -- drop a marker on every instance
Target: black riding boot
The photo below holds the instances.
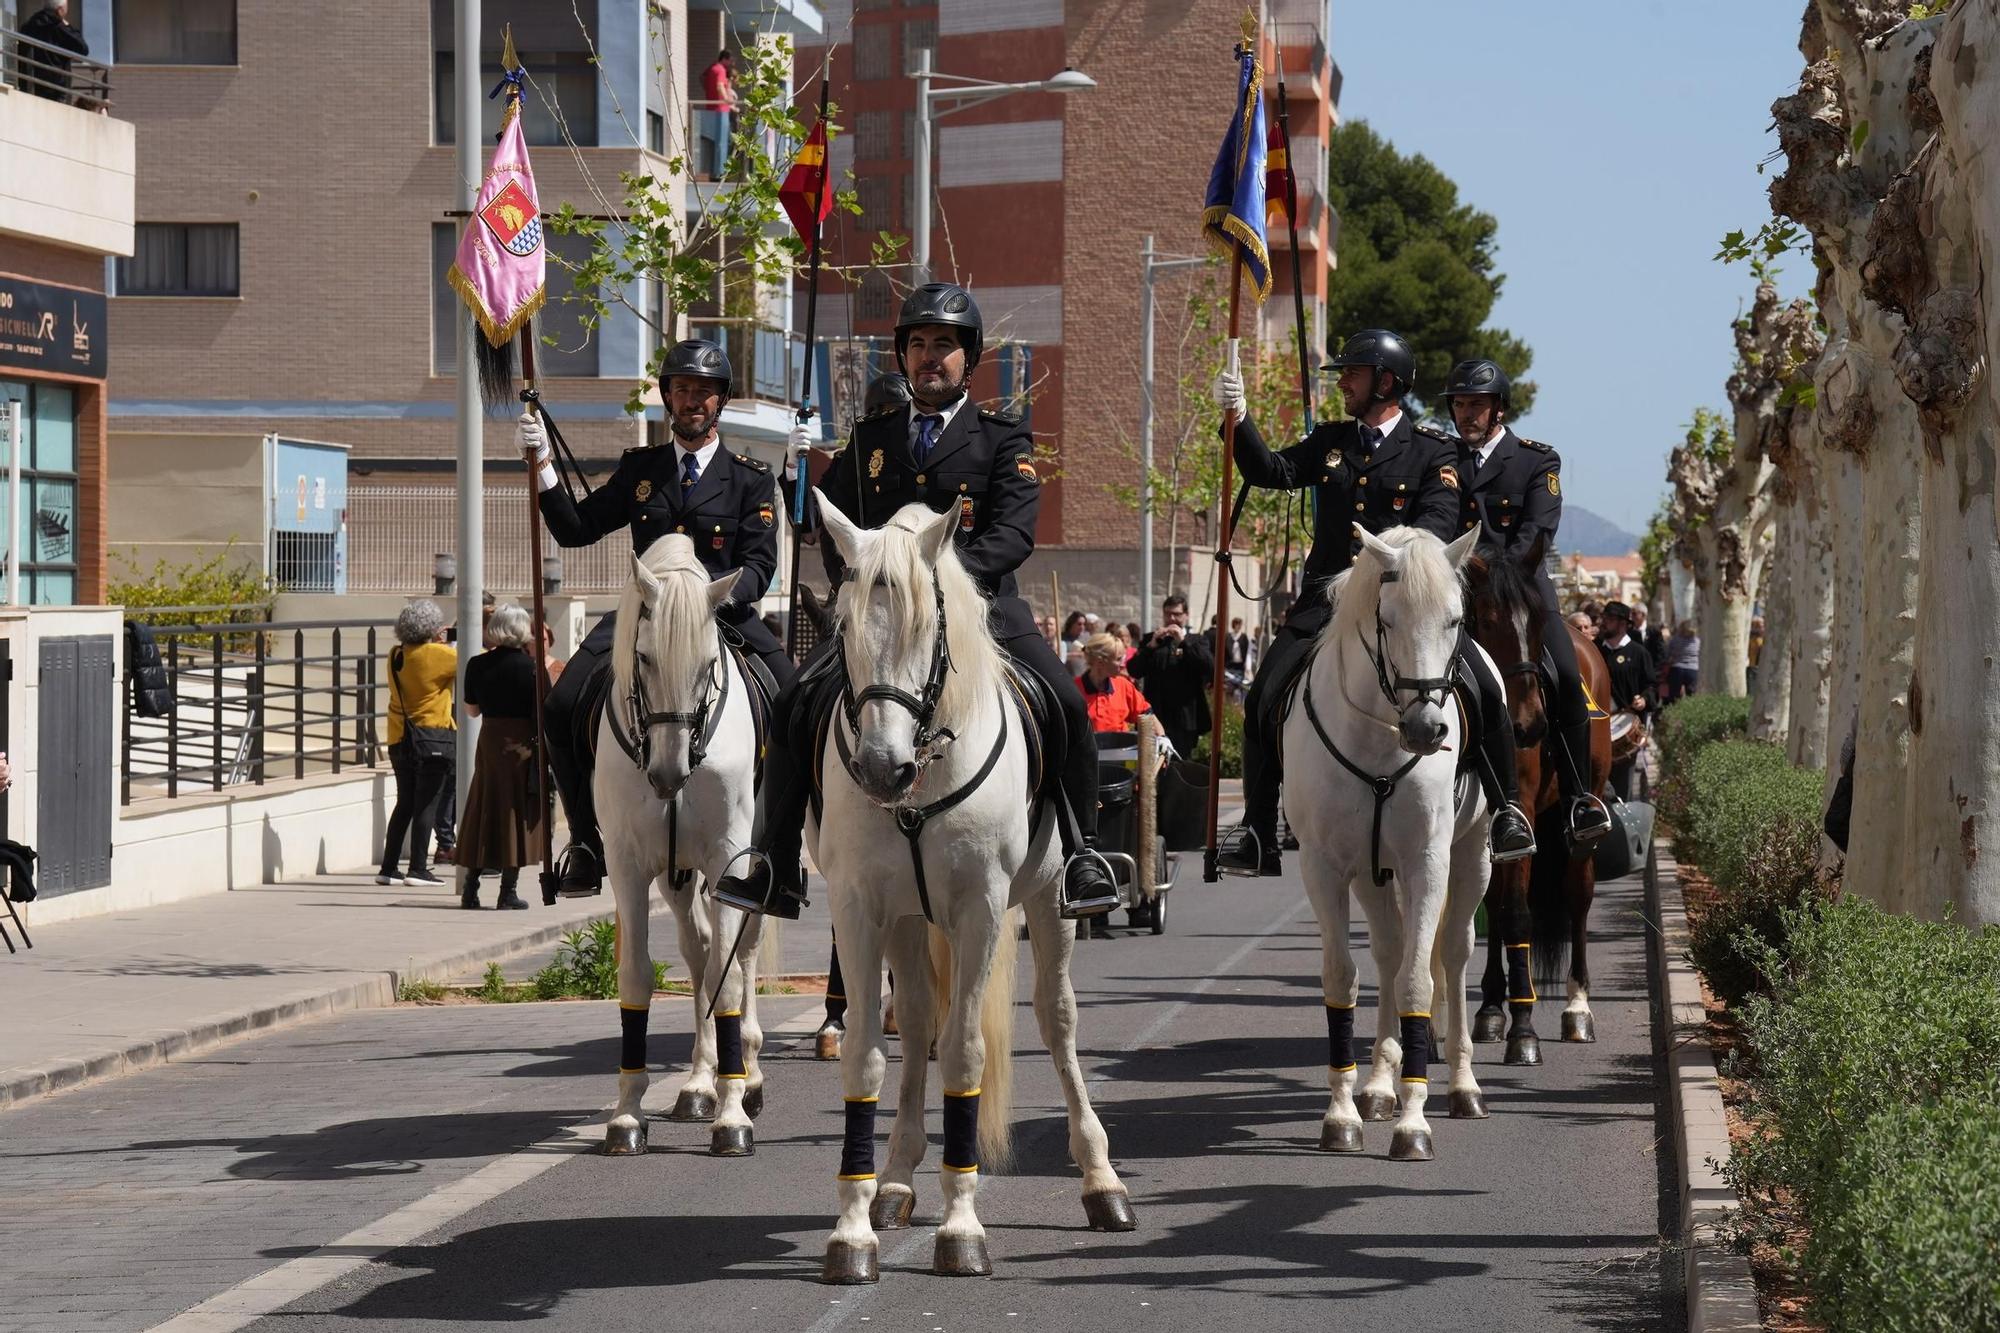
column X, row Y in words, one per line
column 581, row 864
column 1258, row 849
column 773, row 878
column 1511, row 836
column 1588, row 818
column 1089, row 888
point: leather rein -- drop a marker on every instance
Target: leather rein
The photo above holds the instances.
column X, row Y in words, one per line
column 702, row 721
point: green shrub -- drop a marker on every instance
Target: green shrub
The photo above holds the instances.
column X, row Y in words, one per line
column 420, row 990
column 1780, row 874
column 1683, row 729
column 1739, row 789
column 493, row 989
column 1907, row 1234
column 1866, row 1010
column 586, row 964
column 1232, row 743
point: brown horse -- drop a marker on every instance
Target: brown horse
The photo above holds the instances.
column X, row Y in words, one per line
column 1536, row 909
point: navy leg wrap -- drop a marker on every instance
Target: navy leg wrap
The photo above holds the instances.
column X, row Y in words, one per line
column 1416, row 1048
column 632, row 1045
column 836, row 987
column 729, row 1044
column 1520, row 986
column 857, row 1150
column 1340, row 1038
column 961, row 1131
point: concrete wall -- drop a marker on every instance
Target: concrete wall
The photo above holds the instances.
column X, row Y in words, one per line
column 69, row 174
column 184, row 498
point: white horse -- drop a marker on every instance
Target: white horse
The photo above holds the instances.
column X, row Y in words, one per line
column 1371, row 748
column 675, row 784
column 927, row 816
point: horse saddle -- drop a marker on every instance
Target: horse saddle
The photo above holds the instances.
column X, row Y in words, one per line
column 1282, row 697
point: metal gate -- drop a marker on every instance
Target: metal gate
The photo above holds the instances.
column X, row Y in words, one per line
column 73, row 805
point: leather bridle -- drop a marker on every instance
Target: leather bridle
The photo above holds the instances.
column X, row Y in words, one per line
column 1420, row 688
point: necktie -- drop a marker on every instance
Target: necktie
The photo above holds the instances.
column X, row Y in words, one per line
column 927, row 433
column 690, row 472
column 1370, row 437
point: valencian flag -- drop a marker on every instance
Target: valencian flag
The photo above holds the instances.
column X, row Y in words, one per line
column 1277, row 176
column 806, row 199
column 1233, row 219
column 502, row 264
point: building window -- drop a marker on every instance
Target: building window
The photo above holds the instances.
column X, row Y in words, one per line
column 656, row 313
column 568, row 77
column 48, row 491
column 575, row 352
column 656, row 133
column 875, row 297
column 872, row 51
column 872, row 192
column 871, row 135
column 918, row 35
column 182, row 259
column 174, row 32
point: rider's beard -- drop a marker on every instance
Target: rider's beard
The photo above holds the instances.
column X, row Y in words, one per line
column 935, row 388
column 698, row 430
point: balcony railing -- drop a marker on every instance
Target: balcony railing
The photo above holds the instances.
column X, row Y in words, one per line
column 49, row 71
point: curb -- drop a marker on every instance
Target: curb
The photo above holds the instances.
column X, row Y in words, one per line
column 374, row 992
column 1721, row 1291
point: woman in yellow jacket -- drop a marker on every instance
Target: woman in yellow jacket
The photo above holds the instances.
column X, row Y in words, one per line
column 422, row 668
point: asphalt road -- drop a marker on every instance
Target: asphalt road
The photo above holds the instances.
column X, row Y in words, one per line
column 418, row 1168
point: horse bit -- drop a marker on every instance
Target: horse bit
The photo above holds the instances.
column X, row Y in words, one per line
column 702, row 722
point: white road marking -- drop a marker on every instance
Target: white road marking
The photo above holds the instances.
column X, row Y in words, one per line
column 272, row 1290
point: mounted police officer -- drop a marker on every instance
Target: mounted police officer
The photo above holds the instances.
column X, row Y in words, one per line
column 1377, row 470
column 942, row 450
column 725, row 502
column 1511, row 487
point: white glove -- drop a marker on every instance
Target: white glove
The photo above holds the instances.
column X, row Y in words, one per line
column 797, row 445
column 1229, row 393
column 533, row 438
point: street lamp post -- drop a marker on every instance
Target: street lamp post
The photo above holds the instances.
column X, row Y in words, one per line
column 959, row 93
column 1152, row 263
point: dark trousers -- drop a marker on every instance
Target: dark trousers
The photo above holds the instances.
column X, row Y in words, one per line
column 1568, row 708
column 1263, row 773
column 585, row 676
column 447, row 816
column 419, row 786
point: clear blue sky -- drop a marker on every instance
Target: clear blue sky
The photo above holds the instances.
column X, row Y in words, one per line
column 1616, row 143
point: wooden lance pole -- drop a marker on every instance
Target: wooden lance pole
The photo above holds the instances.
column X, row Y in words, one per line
column 1210, row 871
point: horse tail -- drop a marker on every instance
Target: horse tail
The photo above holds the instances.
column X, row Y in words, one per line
column 996, row 1025
column 1548, row 911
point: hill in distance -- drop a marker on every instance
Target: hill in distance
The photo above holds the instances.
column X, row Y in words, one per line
column 1585, row 533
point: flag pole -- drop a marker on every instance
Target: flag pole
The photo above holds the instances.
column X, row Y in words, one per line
column 799, row 481
column 533, row 399
column 1210, row 871
column 1292, row 226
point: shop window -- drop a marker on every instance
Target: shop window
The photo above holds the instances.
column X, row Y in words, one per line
column 47, row 516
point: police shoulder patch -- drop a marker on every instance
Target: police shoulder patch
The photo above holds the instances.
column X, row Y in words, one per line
column 881, row 412
column 1003, row 418
column 1026, row 468
column 1449, row 476
column 1555, row 486
column 1432, row 432
column 1536, row 445
column 754, row 464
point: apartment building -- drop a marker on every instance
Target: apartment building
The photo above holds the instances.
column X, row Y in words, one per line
column 295, row 186
column 1041, row 205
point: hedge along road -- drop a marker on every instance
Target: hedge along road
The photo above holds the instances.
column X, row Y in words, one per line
column 1206, row 1047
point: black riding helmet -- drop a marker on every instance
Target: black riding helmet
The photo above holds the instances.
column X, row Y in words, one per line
column 1479, row 376
column 885, row 392
column 1384, row 351
column 698, row 357
column 942, row 303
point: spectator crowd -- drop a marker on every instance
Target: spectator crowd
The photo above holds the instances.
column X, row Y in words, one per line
column 1126, row 671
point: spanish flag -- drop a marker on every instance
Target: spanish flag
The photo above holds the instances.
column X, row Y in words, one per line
column 804, row 195
column 1233, row 213
column 1277, row 178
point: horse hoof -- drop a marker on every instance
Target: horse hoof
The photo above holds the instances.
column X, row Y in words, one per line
column 1411, row 1145
column 892, row 1208
column 1524, row 1050
column 1375, row 1105
column 1109, row 1210
column 1489, row 1024
column 961, row 1256
column 1577, row 1026
column 1468, row 1105
column 889, row 1028
column 693, row 1106
column 731, row 1141
column 625, row 1140
column 849, row 1265
column 1339, row 1137
column 753, row 1101
column 826, row 1046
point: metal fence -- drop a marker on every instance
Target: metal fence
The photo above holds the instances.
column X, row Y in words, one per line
column 395, row 534
column 51, row 72
column 258, row 700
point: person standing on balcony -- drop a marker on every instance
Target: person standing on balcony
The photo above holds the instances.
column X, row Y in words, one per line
column 47, row 72
column 718, row 116
column 422, row 670
column 726, row 503
column 503, row 828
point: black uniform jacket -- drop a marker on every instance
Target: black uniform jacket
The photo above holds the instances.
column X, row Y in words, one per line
column 1410, row 479
column 1517, row 496
column 982, row 466
column 731, row 514
column 1632, row 672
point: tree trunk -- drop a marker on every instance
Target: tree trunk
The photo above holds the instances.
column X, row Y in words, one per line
column 1811, row 603
column 1928, row 262
column 1770, row 693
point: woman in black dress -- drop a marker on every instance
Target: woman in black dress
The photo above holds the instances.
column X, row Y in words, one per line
column 502, row 828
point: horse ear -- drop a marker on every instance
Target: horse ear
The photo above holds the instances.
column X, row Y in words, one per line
column 838, row 526
column 1537, row 552
column 1383, row 551
column 1460, row 551
column 719, row 590
column 935, row 535
column 642, row 575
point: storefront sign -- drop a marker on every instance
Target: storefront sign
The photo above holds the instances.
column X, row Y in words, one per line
column 55, row 329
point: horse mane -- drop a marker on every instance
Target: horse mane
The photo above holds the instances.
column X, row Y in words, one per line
column 682, row 626
column 1512, row 591
column 894, row 562
column 1428, row 581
